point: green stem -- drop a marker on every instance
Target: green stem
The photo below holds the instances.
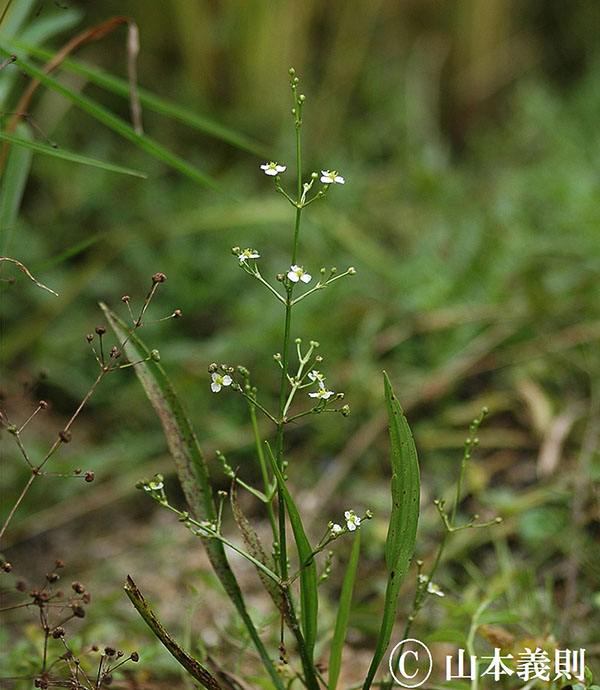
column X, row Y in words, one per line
column 214, row 535
column 263, row 468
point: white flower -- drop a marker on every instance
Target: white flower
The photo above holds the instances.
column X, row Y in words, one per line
column 352, row 520
column 273, row 168
column 336, row 529
column 315, row 375
column 431, row 588
column 322, row 393
column 434, row 589
column 297, row 273
column 331, row 177
column 248, row 254
column 219, row 380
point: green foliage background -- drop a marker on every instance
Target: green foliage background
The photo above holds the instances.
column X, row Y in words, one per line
column 468, row 136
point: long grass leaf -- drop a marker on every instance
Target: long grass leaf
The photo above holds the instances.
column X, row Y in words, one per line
column 69, row 155
column 404, row 518
column 341, row 621
column 117, row 124
column 309, row 600
column 191, row 665
column 191, row 468
column 150, row 100
column 12, row 186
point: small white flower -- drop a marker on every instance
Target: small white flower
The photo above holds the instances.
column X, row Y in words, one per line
column 434, row 589
column 322, row 393
column 248, row 254
column 331, row 177
column 315, row 375
column 219, row 380
column 297, row 273
column 273, row 168
column 352, row 520
column 431, row 588
column 336, row 529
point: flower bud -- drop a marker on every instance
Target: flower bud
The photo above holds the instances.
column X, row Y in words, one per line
column 155, row 356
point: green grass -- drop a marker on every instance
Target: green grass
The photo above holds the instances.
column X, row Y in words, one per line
column 477, row 257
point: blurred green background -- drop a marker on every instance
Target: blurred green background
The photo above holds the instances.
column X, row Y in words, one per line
column 467, row 132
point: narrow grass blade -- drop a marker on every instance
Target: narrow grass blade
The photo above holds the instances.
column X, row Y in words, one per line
column 12, row 186
column 116, row 123
column 191, row 665
column 402, row 530
column 69, row 155
column 309, row 600
column 341, row 621
column 255, row 548
column 150, row 100
column 191, row 468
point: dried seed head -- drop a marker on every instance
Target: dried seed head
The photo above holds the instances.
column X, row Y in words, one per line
column 159, row 278
column 89, row 337
column 64, row 436
column 78, row 611
column 135, row 657
column 59, row 631
column 177, row 314
column 77, row 470
column 89, row 476
column 86, row 597
column 115, row 353
column 52, row 577
column 125, row 299
column 110, row 651
column 43, row 404
column 6, row 566
column 58, row 563
column 78, row 587
column 100, row 330
column 107, row 679
column 119, row 653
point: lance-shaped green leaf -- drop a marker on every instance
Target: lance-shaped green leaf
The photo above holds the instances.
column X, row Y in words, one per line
column 191, row 665
column 115, row 123
column 69, row 155
column 404, row 518
column 191, row 467
column 341, row 621
column 309, row 600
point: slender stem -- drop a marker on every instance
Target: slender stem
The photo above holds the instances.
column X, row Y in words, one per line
column 263, row 469
column 26, row 488
column 214, row 535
